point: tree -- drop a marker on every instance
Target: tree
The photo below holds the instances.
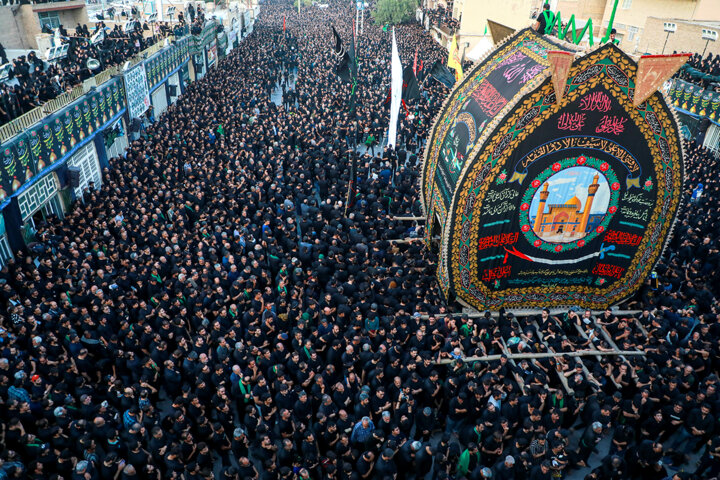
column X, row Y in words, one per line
column 394, row 11
column 305, row 3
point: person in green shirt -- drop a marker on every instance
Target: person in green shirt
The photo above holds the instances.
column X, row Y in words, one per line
column 469, row 459
column 372, row 324
column 468, row 328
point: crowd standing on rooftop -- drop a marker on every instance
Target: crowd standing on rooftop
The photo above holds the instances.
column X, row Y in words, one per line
column 442, row 17
column 213, row 310
column 33, row 81
column 708, row 67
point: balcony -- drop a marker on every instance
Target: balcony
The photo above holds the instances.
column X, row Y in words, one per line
column 53, row 6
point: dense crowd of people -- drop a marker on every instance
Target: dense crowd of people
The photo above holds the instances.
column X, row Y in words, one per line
column 215, row 310
column 708, row 68
column 442, row 17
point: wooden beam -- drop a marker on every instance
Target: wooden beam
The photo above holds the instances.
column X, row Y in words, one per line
column 599, row 352
column 560, row 374
column 406, row 240
column 527, row 312
column 520, row 356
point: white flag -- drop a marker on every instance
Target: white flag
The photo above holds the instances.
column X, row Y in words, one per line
column 396, row 92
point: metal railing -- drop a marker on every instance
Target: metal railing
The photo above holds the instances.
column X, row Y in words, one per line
column 28, row 119
column 43, row 2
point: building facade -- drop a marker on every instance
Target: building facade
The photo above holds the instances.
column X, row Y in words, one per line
column 48, row 165
column 689, row 36
column 639, row 23
column 20, row 25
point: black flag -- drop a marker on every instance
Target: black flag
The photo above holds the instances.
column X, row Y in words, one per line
column 442, row 74
column 347, row 65
column 347, row 71
column 410, row 89
column 343, row 69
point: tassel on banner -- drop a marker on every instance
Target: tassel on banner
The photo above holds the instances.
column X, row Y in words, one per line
column 407, row 112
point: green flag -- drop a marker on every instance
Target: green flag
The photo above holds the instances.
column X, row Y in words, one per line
column 385, row 27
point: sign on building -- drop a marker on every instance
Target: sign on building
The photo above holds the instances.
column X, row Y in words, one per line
column 136, row 89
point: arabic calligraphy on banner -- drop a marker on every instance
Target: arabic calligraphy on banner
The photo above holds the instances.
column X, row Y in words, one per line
column 168, row 59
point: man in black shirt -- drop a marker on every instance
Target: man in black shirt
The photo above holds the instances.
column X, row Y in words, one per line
column 544, row 20
column 385, row 466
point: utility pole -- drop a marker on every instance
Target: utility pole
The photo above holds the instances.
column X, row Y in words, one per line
column 362, row 19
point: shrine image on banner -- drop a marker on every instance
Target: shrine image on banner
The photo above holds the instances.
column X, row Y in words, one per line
column 563, row 202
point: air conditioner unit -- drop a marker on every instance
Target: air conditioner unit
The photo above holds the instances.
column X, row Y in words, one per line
column 708, row 34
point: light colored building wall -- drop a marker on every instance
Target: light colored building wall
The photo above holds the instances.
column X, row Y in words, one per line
column 687, row 38
column 707, row 10
column 12, row 33
column 70, row 18
column 631, row 16
column 19, row 24
column 513, row 13
column 31, row 25
column 583, row 10
column 474, row 14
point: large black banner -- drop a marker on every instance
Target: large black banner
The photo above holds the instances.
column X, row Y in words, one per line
column 568, row 203
column 16, row 165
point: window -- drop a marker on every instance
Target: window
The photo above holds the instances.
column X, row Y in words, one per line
column 49, row 18
column 5, row 252
column 35, row 197
column 626, row 4
column 632, row 31
column 86, row 159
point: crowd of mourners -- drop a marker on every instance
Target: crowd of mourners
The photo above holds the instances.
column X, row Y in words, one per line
column 215, row 310
column 708, row 67
column 32, row 80
column 442, row 17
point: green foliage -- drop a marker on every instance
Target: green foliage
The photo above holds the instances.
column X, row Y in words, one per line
column 394, row 11
column 305, row 3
